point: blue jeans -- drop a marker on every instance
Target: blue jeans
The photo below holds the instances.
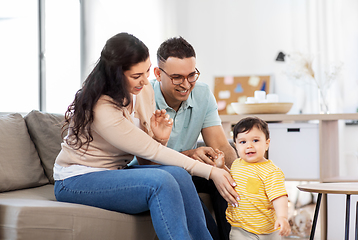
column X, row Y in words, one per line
column 167, row 191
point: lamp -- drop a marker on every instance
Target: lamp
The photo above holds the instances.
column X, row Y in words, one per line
column 281, row 57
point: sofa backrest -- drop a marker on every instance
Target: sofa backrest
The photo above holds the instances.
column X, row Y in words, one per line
column 45, row 131
column 20, row 165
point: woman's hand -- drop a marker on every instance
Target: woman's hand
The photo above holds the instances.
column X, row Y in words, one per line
column 225, row 185
column 161, row 126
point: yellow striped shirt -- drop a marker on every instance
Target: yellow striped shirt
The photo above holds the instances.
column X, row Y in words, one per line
column 257, row 184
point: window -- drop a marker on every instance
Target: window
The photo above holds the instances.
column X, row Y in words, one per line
column 61, row 44
column 19, row 64
column 62, row 56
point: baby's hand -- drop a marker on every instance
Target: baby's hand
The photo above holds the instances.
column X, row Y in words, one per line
column 284, row 225
column 220, row 160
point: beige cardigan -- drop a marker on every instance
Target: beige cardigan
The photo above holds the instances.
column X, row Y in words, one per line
column 116, row 139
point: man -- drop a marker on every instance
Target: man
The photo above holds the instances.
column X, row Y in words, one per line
column 193, row 108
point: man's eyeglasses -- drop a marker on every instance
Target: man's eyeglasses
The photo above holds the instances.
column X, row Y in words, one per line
column 179, row 79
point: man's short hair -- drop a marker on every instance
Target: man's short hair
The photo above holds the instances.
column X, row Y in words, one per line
column 175, row 47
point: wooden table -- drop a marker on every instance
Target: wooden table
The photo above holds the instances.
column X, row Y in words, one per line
column 331, row 188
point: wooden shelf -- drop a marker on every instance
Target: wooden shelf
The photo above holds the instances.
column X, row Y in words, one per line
column 340, row 179
column 292, row 117
column 328, row 137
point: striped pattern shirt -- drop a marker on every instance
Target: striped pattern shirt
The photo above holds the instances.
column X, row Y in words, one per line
column 258, row 184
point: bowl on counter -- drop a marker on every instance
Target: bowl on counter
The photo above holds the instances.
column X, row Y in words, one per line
column 262, row 108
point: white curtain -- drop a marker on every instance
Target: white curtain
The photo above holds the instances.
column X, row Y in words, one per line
column 332, row 38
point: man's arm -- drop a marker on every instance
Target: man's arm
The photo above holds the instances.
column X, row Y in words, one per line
column 215, row 138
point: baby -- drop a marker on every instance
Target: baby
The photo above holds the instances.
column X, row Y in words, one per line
column 263, row 207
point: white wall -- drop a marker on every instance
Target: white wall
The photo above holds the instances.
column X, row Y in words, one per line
column 238, row 37
column 244, row 37
column 336, row 204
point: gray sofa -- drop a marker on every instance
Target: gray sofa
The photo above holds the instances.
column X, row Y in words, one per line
column 28, row 208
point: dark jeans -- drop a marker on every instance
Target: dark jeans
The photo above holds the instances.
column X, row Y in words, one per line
column 220, row 229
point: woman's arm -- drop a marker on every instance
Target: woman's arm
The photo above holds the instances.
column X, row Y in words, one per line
column 110, row 123
column 161, row 126
column 118, row 131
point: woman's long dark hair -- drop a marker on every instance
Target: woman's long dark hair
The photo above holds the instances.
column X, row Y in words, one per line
column 120, row 53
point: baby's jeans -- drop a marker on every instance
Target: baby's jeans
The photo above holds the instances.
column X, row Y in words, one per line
column 237, row 233
column 167, row 191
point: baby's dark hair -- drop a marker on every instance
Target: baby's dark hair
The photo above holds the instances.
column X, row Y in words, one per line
column 248, row 123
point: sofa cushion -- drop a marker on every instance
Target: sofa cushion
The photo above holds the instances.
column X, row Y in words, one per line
column 20, row 165
column 45, row 132
column 34, row 214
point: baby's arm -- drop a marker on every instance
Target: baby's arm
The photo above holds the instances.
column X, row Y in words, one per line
column 281, row 207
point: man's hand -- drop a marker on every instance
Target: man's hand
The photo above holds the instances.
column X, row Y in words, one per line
column 215, row 137
column 161, row 126
column 202, row 154
column 209, row 156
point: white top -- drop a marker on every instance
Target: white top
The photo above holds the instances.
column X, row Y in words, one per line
column 60, row 173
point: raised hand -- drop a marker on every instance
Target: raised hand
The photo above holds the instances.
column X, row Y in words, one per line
column 161, row 126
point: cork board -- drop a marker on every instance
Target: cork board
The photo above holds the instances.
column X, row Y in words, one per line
column 236, row 89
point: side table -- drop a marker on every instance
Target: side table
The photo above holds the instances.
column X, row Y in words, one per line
column 331, row 188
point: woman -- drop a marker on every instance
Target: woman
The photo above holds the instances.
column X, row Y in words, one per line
column 111, row 120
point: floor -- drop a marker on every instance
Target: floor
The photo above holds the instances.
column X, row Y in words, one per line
column 301, row 222
column 300, row 212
